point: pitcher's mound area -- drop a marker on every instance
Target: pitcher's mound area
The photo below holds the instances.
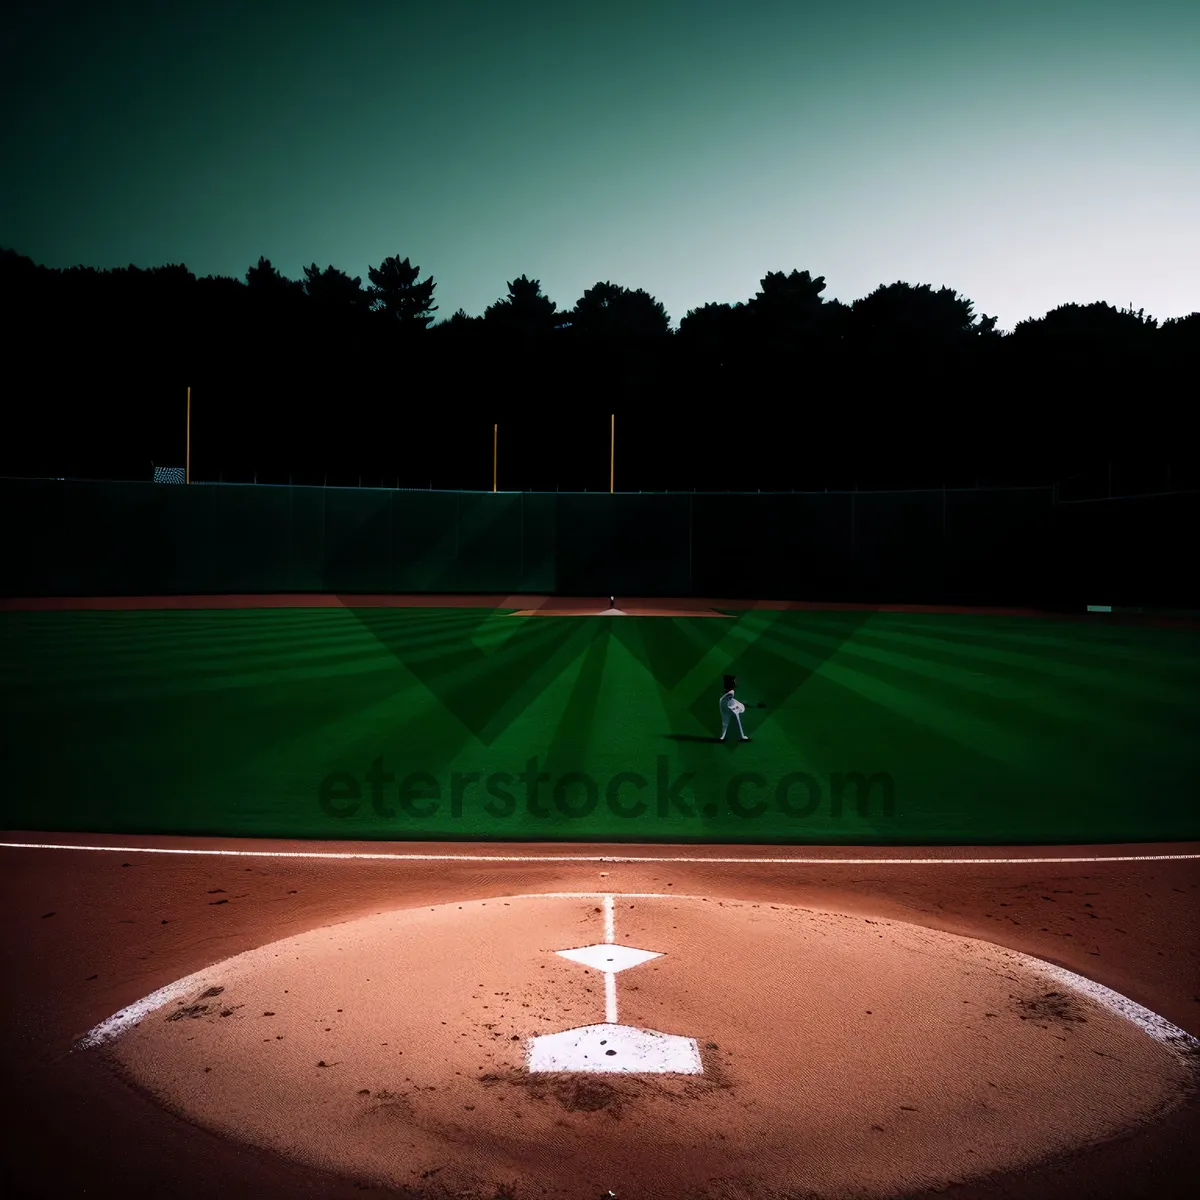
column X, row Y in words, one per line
column 784, row 1052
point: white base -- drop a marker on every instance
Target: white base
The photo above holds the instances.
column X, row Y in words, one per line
column 607, row 957
column 615, row 1048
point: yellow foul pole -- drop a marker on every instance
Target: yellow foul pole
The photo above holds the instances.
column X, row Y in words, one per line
column 612, row 453
column 495, row 428
column 187, row 466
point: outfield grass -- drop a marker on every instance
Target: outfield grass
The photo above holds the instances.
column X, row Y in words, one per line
column 267, row 722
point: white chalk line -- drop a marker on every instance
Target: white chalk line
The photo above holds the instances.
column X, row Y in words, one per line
column 127, row 1018
column 1178, row 1042
column 607, row 858
column 610, row 977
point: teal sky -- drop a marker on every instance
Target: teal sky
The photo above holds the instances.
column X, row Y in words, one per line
column 1026, row 154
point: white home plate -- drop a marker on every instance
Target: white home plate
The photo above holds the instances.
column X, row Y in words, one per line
column 609, row 958
column 612, row 1047
column 615, row 1048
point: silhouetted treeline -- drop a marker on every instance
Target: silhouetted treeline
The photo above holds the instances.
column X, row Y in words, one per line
column 325, row 379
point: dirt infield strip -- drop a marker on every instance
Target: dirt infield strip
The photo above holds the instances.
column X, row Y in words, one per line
column 841, row 1055
column 531, row 605
column 876, row 1030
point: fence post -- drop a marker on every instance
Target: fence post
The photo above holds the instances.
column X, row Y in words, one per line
column 210, row 501
column 691, row 499
column 291, row 554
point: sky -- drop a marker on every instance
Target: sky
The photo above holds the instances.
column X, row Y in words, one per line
column 1025, row 154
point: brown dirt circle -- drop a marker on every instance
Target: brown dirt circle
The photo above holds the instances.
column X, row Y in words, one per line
column 842, row 1055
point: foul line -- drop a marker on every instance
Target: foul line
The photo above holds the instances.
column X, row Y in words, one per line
column 606, row 858
column 1178, row 1042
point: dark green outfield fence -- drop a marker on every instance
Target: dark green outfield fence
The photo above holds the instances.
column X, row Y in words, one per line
column 1002, row 546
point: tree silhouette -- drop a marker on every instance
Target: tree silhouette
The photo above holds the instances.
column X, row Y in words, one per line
column 1182, row 331
column 24, row 289
column 1094, row 346
column 786, row 351
column 524, row 311
column 607, row 311
column 335, row 289
column 263, row 276
column 713, row 343
column 397, row 295
column 16, row 270
column 222, row 288
column 266, row 280
column 617, row 331
column 788, row 300
column 788, row 316
column 461, row 320
column 714, row 325
column 836, row 325
column 1071, row 324
column 899, row 313
column 173, row 275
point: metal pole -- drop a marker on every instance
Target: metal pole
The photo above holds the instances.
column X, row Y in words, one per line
column 187, row 468
column 612, row 454
column 691, row 501
column 495, row 437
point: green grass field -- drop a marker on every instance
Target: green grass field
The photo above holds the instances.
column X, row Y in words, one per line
column 878, row 728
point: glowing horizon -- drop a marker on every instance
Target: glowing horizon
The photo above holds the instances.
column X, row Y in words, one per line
column 1037, row 156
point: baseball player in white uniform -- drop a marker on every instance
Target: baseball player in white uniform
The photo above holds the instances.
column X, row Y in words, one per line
column 731, row 707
